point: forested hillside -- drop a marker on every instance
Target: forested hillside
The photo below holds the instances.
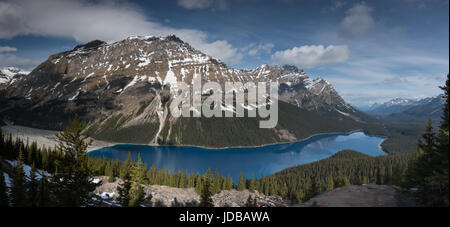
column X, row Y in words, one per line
column 347, row 167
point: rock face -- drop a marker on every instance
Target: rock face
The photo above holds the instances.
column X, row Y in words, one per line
column 369, row 195
column 164, row 196
column 122, row 89
column 234, row 198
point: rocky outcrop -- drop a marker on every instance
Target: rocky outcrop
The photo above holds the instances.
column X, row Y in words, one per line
column 164, row 196
column 234, row 198
column 369, row 195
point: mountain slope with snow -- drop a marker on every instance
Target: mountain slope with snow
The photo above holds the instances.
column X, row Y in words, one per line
column 122, row 90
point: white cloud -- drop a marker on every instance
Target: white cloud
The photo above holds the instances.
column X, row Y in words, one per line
column 311, row 56
column 13, row 60
column 7, row 49
column 254, row 50
column 110, row 21
column 202, row 4
column 337, row 5
column 357, row 21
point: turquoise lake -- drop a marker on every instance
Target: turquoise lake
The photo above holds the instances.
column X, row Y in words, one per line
column 250, row 160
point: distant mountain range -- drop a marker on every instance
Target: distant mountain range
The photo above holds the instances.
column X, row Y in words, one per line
column 409, row 110
column 9, row 74
column 122, row 90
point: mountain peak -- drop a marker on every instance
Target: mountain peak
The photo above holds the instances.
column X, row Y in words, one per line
column 90, row 45
column 292, row 68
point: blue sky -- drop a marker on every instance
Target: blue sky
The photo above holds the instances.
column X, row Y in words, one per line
column 371, row 51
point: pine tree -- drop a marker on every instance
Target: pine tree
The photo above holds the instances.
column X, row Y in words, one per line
column 216, row 182
column 241, row 183
column 137, row 194
column 314, row 189
column 44, row 192
column 4, row 201
column 380, row 177
column 33, row 186
column 346, row 181
column 73, row 182
column 439, row 181
column 198, row 183
column 365, row 180
column 205, row 197
column 2, row 142
column 299, row 196
column 125, row 167
column 330, row 182
column 397, row 175
column 390, row 175
column 124, row 191
column 252, row 184
column 18, row 188
column 229, row 183
column 109, row 171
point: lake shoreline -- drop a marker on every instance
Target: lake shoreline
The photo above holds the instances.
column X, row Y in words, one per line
column 47, row 138
column 223, row 148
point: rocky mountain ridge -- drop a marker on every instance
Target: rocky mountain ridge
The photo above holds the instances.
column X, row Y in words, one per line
column 397, row 105
column 420, row 112
column 124, row 87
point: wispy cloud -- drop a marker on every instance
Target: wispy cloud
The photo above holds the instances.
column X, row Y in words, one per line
column 254, row 49
column 336, row 6
column 203, row 4
column 364, row 80
column 357, row 21
column 311, row 56
column 7, row 49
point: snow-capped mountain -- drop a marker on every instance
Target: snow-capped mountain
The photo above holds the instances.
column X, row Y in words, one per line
column 125, row 87
column 8, row 74
column 397, row 105
column 420, row 111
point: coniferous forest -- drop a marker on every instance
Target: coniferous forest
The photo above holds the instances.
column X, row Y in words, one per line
column 63, row 175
